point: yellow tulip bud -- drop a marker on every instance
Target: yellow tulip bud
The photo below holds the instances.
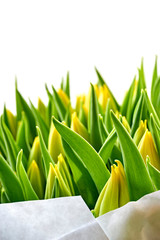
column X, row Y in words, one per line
column 78, row 127
column 80, row 100
column 50, row 182
column 103, row 96
column 64, row 170
column 64, row 190
column 12, row 123
column 115, row 192
column 126, row 124
column 147, row 147
column 140, row 132
column 63, row 96
column 42, row 110
column 35, row 179
column 55, row 143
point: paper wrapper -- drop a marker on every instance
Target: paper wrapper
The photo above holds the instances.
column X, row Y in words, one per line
column 69, row 218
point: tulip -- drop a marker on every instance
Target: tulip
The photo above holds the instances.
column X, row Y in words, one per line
column 36, row 179
column 147, row 148
column 115, row 192
column 42, row 110
column 140, row 132
column 50, row 182
column 55, row 143
column 78, row 127
column 64, row 170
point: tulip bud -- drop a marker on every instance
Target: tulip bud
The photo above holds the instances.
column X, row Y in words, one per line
column 115, row 192
column 140, row 132
column 80, row 100
column 64, row 170
column 42, row 110
column 35, row 179
column 50, row 182
column 55, row 143
column 64, row 190
column 147, row 148
column 78, row 127
column 64, row 98
column 126, row 124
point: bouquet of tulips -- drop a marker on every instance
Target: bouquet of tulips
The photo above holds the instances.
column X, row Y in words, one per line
column 105, row 152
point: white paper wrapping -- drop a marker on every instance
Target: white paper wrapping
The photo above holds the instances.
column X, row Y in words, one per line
column 69, row 219
column 135, row 221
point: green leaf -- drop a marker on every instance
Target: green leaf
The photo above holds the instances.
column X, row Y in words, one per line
column 82, row 177
column 154, row 80
column 22, row 138
column 42, row 125
column 11, row 148
column 107, row 118
column 103, row 130
column 11, row 183
column 23, row 106
column 47, row 159
column 142, row 82
column 138, row 179
column 29, row 192
column 155, row 130
column 101, row 82
column 137, row 115
column 87, row 154
column 93, row 121
column 108, row 145
column 154, row 173
column 151, row 108
column 59, row 105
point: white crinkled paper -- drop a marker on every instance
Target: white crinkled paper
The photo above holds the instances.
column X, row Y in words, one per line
column 69, row 218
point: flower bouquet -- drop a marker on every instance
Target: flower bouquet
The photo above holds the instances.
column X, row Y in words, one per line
column 107, row 153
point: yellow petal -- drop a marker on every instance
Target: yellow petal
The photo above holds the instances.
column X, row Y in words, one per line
column 147, row 147
column 78, row 127
column 50, row 182
column 55, row 143
column 35, row 179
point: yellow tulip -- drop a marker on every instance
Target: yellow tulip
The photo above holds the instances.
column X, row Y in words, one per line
column 55, row 143
column 64, row 170
column 35, row 179
column 140, row 132
column 64, row 98
column 147, row 147
column 115, row 192
column 78, row 127
column 42, row 110
column 50, row 182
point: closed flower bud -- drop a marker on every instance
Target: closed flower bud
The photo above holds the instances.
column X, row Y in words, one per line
column 147, row 148
column 36, row 179
column 55, row 143
column 12, row 123
column 115, row 192
column 78, row 127
column 140, row 132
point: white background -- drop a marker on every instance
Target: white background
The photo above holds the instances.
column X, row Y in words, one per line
column 41, row 40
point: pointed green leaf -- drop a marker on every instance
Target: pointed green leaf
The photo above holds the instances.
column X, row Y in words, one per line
column 47, row 159
column 155, row 130
column 24, row 107
column 138, row 179
column 103, row 130
column 11, row 148
column 59, row 105
column 87, row 154
column 81, row 176
column 154, row 173
column 11, row 183
column 42, row 125
column 93, row 121
column 107, row 147
column 28, row 190
column 137, row 115
column 102, row 82
column 107, row 118
column 151, row 108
